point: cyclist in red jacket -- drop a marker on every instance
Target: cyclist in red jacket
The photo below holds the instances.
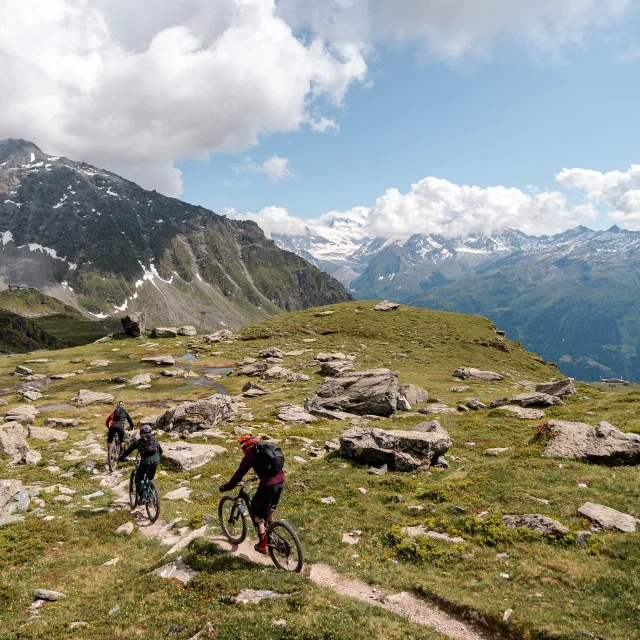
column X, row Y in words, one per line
column 115, row 424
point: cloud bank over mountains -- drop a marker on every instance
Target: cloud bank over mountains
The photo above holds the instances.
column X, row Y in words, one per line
column 435, row 206
column 137, row 86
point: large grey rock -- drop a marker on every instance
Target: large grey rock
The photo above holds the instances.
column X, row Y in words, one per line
column 49, row 435
column 13, row 497
column 31, row 395
column 529, row 400
column 86, row 397
column 469, row 373
column 561, row 389
column 164, row 332
column 160, row 361
column 254, row 369
column 522, row 413
column 176, row 570
column 329, row 357
column 422, row 531
column 13, row 439
column 601, row 444
column 51, row 596
column 608, row 518
column 23, row 413
column 134, row 324
column 219, row 336
column 141, row 378
column 293, row 413
column 413, row 393
column 272, row 352
column 399, row 450
column 183, row 456
column 385, row 305
column 474, row 404
column 276, row 373
column 23, row 371
column 371, row 392
column 187, row 330
column 335, row 367
column 63, row 422
column 535, row 522
column 201, row 414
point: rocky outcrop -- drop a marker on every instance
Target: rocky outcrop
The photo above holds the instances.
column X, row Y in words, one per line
column 535, row 522
column 523, row 414
column 13, row 440
column 134, row 324
column 329, row 357
column 141, row 378
column 25, row 413
column 276, row 373
column 293, row 413
column 413, row 393
column 561, row 389
column 86, row 397
column 272, row 352
column 371, row 392
column 529, row 400
column 607, row 518
column 183, row 456
column 13, row 497
column 385, row 305
column 160, row 361
column 219, row 336
column 201, row 414
column 187, row 330
column 47, row 434
column 164, row 332
column 603, row 444
column 335, row 368
column 254, row 369
column 467, row 373
column 399, row 450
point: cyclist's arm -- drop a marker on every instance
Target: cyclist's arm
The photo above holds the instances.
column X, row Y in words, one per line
column 109, row 420
column 132, row 447
column 130, row 421
column 160, row 449
column 245, row 466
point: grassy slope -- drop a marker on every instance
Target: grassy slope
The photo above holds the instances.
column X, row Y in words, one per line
column 555, row 589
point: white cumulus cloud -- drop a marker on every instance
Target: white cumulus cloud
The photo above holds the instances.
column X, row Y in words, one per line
column 276, row 169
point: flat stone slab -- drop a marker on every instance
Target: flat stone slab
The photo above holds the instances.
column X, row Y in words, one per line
column 252, row 596
column 608, row 518
column 176, row 570
column 293, row 413
column 535, row 522
column 523, row 414
column 86, row 397
column 50, row 596
column 44, row 433
column 469, row 373
column 23, row 413
column 183, row 456
column 159, row 360
column 423, row 531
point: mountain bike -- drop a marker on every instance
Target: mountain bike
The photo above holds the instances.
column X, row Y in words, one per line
column 113, row 452
column 282, row 541
column 150, row 494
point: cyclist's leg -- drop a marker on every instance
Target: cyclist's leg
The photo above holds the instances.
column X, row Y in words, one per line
column 140, row 474
column 111, row 434
column 122, row 436
column 259, row 508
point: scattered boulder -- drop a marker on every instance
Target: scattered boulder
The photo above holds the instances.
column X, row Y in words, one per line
column 13, row 440
column 529, row 400
column 62, row 422
column 272, row 352
column 62, row 376
column 329, row 357
column 276, row 373
column 164, row 332
column 100, row 363
column 423, row 531
column 125, row 529
column 402, row 404
column 252, row 386
column 535, row 522
column 436, row 408
column 413, row 393
column 523, row 414
column 496, row 451
column 561, row 389
column 119, row 380
column 219, row 336
column 37, row 361
column 608, row 518
column 184, row 456
column 49, row 435
column 474, row 404
column 293, row 413
column 86, row 397
column 23, row 371
column 602, row 444
column 134, row 324
column 24, row 413
column 187, row 330
column 5, row 520
column 385, row 305
column 251, row 596
column 107, row 338
column 322, row 314
column 50, row 596
column 30, row 457
column 160, row 361
column 200, row 414
column 399, row 450
column 181, row 493
column 371, row 392
column 335, row 367
column 467, row 373
column 460, row 389
column 13, row 497
column 141, row 378
column 254, row 369
column 176, row 570
column 31, row 395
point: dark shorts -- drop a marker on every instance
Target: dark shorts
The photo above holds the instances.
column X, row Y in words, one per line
column 113, row 429
column 266, row 498
column 145, row 469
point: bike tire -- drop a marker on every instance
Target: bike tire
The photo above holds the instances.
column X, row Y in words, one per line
column 153, row 501
column 228, row 510
column 280, row 548
column 133, row 494
column 113, row 453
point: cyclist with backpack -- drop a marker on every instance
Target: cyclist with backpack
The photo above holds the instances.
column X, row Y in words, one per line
column 267, row 461
column 115, row 424
column 150, row 451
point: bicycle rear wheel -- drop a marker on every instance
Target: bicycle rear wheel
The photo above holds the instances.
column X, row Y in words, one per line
column 113, row 453
column 153, row 501
column 233, row 521
column 133, row 494
column 284, row 547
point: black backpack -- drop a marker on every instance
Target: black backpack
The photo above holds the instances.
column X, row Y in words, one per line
column 148, row 446
column 119, row 415
column 270, row 460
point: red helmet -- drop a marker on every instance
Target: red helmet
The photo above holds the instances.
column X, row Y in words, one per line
column 247, row 441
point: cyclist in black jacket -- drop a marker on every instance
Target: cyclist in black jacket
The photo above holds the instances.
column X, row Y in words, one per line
column 150, row 451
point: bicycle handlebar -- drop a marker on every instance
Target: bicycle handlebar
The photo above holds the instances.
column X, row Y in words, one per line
column 247, row 481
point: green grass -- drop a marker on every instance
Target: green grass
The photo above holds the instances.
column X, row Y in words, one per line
column 72, row 331
column 556, row 588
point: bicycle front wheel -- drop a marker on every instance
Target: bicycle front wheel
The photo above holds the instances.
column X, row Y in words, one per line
column 153, row 501
column 113, row 453
column 233, row 521
column 133, row 494
column 284, row 547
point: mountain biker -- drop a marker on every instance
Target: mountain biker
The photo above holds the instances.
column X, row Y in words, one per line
column 270, row 488
column 115, row 423
column 150, row 451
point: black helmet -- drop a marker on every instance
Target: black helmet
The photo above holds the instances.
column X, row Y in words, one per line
column 146, row 430
column 120, row 404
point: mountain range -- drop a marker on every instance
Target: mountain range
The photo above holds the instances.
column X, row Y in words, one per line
column 105, row 246
column 572, row 297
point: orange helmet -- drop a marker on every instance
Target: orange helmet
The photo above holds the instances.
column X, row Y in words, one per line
column 247, row 441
